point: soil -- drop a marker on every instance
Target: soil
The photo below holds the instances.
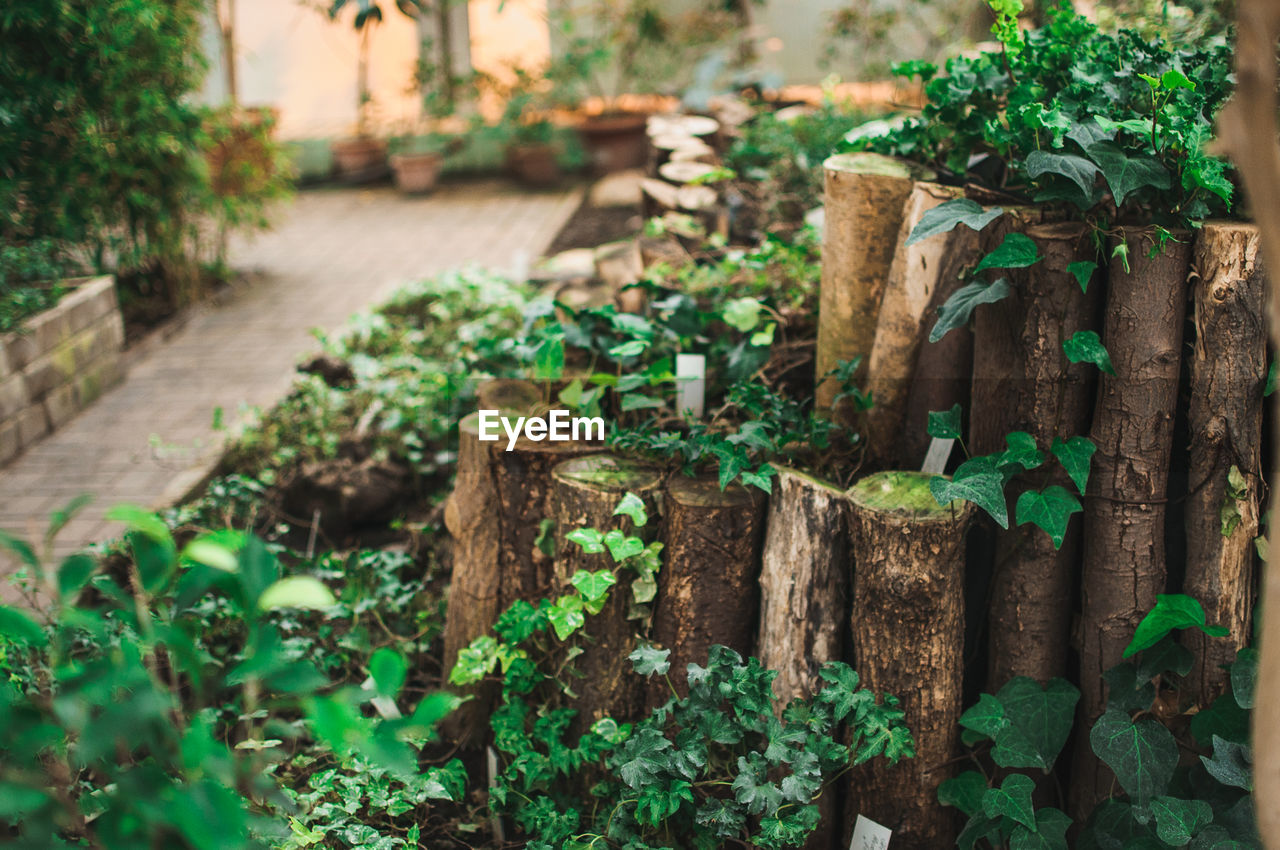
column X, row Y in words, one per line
column 591, row 226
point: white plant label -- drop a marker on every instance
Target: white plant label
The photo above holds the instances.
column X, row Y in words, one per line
column 691, row 384
column 869, row 835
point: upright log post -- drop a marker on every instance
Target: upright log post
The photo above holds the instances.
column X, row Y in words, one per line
column 707, row 586
column 914, row 276
column 1224, row 506
column 865, row 193
column 585, row 493
column 1046, row 396
column 1124, row 534
column 908, row 640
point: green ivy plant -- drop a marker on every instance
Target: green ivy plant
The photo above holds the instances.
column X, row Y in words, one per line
column 1167, row 800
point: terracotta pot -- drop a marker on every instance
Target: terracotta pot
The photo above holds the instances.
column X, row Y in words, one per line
column 416, row 173
column 359, row 157
column 534, row 164
column 616, row 141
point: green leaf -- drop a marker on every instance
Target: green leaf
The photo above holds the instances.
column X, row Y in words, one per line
column 548, row 360
column 20, row 629
column 957, row 309
column 1011, row 800
column 566, row 615
column 593, row 586
column 297, row 592
column 1050, row 832
column 977, row 480
column 388, row 669
column 211, row 553
column 1178, row 821
column 1231, row 764
column 1082, row 271
column 623, row 546
column 1244, row 676
column 1076, row 457
column 639, row 401
column 475, row 661
column 649, row 660
column 632, row 506
column 60, row 517
column 944, row 217
column 1077, row 169
column 141, row 520
column 1142, row 754
column 743, row 313
column 1049, row 509
column 74, row 574
column 945, row 424
column 21, row 549
column 1174, row 79
column 590, row 539
column 986, row 717
column 1125, row 175
column 1038, row 722
column 1172, row 611
column 1086, row 347
column 1021, row 450
column 964, row 792
column 1017, row 251
column 631, row 348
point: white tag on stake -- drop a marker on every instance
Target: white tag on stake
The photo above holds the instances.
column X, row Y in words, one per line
column 869, row 835
column 935, row 460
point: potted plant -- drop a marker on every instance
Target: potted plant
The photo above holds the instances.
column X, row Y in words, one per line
column 416, row 161
column 525, row 131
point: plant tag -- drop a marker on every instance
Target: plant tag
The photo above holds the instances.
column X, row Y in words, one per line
column 691, row 383
column 869, row 835
column 935, row 460
column 386, row 708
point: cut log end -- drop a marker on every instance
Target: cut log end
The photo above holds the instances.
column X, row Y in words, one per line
column 905, row 495
column 877, row 164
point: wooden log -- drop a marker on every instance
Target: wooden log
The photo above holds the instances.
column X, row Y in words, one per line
column 1046, row 396
column 508, row 394
column 693, row 152
column 865, row 194
column 908, row 640
column 1124, row 544
column 684, row 171
column 944, row 369
column 681, row 125
column 903, row 325
column 1228, row 369
column 707, row 592
column 618, row 264
column 658, row 197
column 585, row 492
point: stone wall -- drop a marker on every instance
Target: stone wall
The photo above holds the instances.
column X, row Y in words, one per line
column 58, row 364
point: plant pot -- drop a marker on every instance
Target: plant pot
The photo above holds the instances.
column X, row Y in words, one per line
column 534, row 164
column 416, row 173
column 359, row 159
column 615, row 141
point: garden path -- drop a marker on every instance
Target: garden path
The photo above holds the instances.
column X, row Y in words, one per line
column 332, row 253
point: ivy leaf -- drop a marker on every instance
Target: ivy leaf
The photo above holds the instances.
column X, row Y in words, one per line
column 622, row 546
column 475, row 661
column 1050, row 832
column 1244, row 676
column 1172, row 611
column 1142, row 754
column 945, row 424
column 17, row 627
column 1017, row 251
column 648, row 660
column 566, row 615
column 977, row 480
column 638, row 401
column 632, row 506
column 1231, row 764
column 1125, row 175
column 630, row 348
column 590, row 539
column 1049, row 509
column 548, row 360
column 1076, row 457
column 1038, row 723
column 944, row 217
column 1178, row 821
column 388, row 669
column 743, row 313
column 1021, row 450
column 964, row 792
column 1077, row 169
column 1082, row 271
column 297, row 592
column 1086, row 347
column 593, row 586
column 1012, row 800
column 957, row 309
column 979, row 828
column 762, row 478
column 986, row 717
column 1175, row 79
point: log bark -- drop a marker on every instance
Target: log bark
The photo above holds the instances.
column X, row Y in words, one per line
column 471, row 515
column 707, row 591
column 944, row 369
column 1124, row 543
column 908, row 640
column 585, row 492
column 865, row 194
column 903, row 325
column 1228, row 370
column 1047, row 396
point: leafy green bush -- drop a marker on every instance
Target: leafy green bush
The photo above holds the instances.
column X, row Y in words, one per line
column 41, row 262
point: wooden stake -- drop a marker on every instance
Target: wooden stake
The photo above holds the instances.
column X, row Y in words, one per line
column 908, row 640
column 865, row 193
column 585, row 493
column 1228, row 370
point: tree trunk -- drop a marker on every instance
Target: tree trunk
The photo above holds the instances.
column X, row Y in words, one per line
column 908, row 641
column 865, row 193
column 707, row 587
column 585, row 492
column 914, row 276
column 944, row 369
column 1228, row 370
column 471, row 516
column 1124, row 544
column 1046, row 396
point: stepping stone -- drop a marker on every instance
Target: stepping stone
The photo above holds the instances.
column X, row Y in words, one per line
column 617, row 190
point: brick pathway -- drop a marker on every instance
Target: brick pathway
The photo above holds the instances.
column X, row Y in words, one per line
column 332, row 253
